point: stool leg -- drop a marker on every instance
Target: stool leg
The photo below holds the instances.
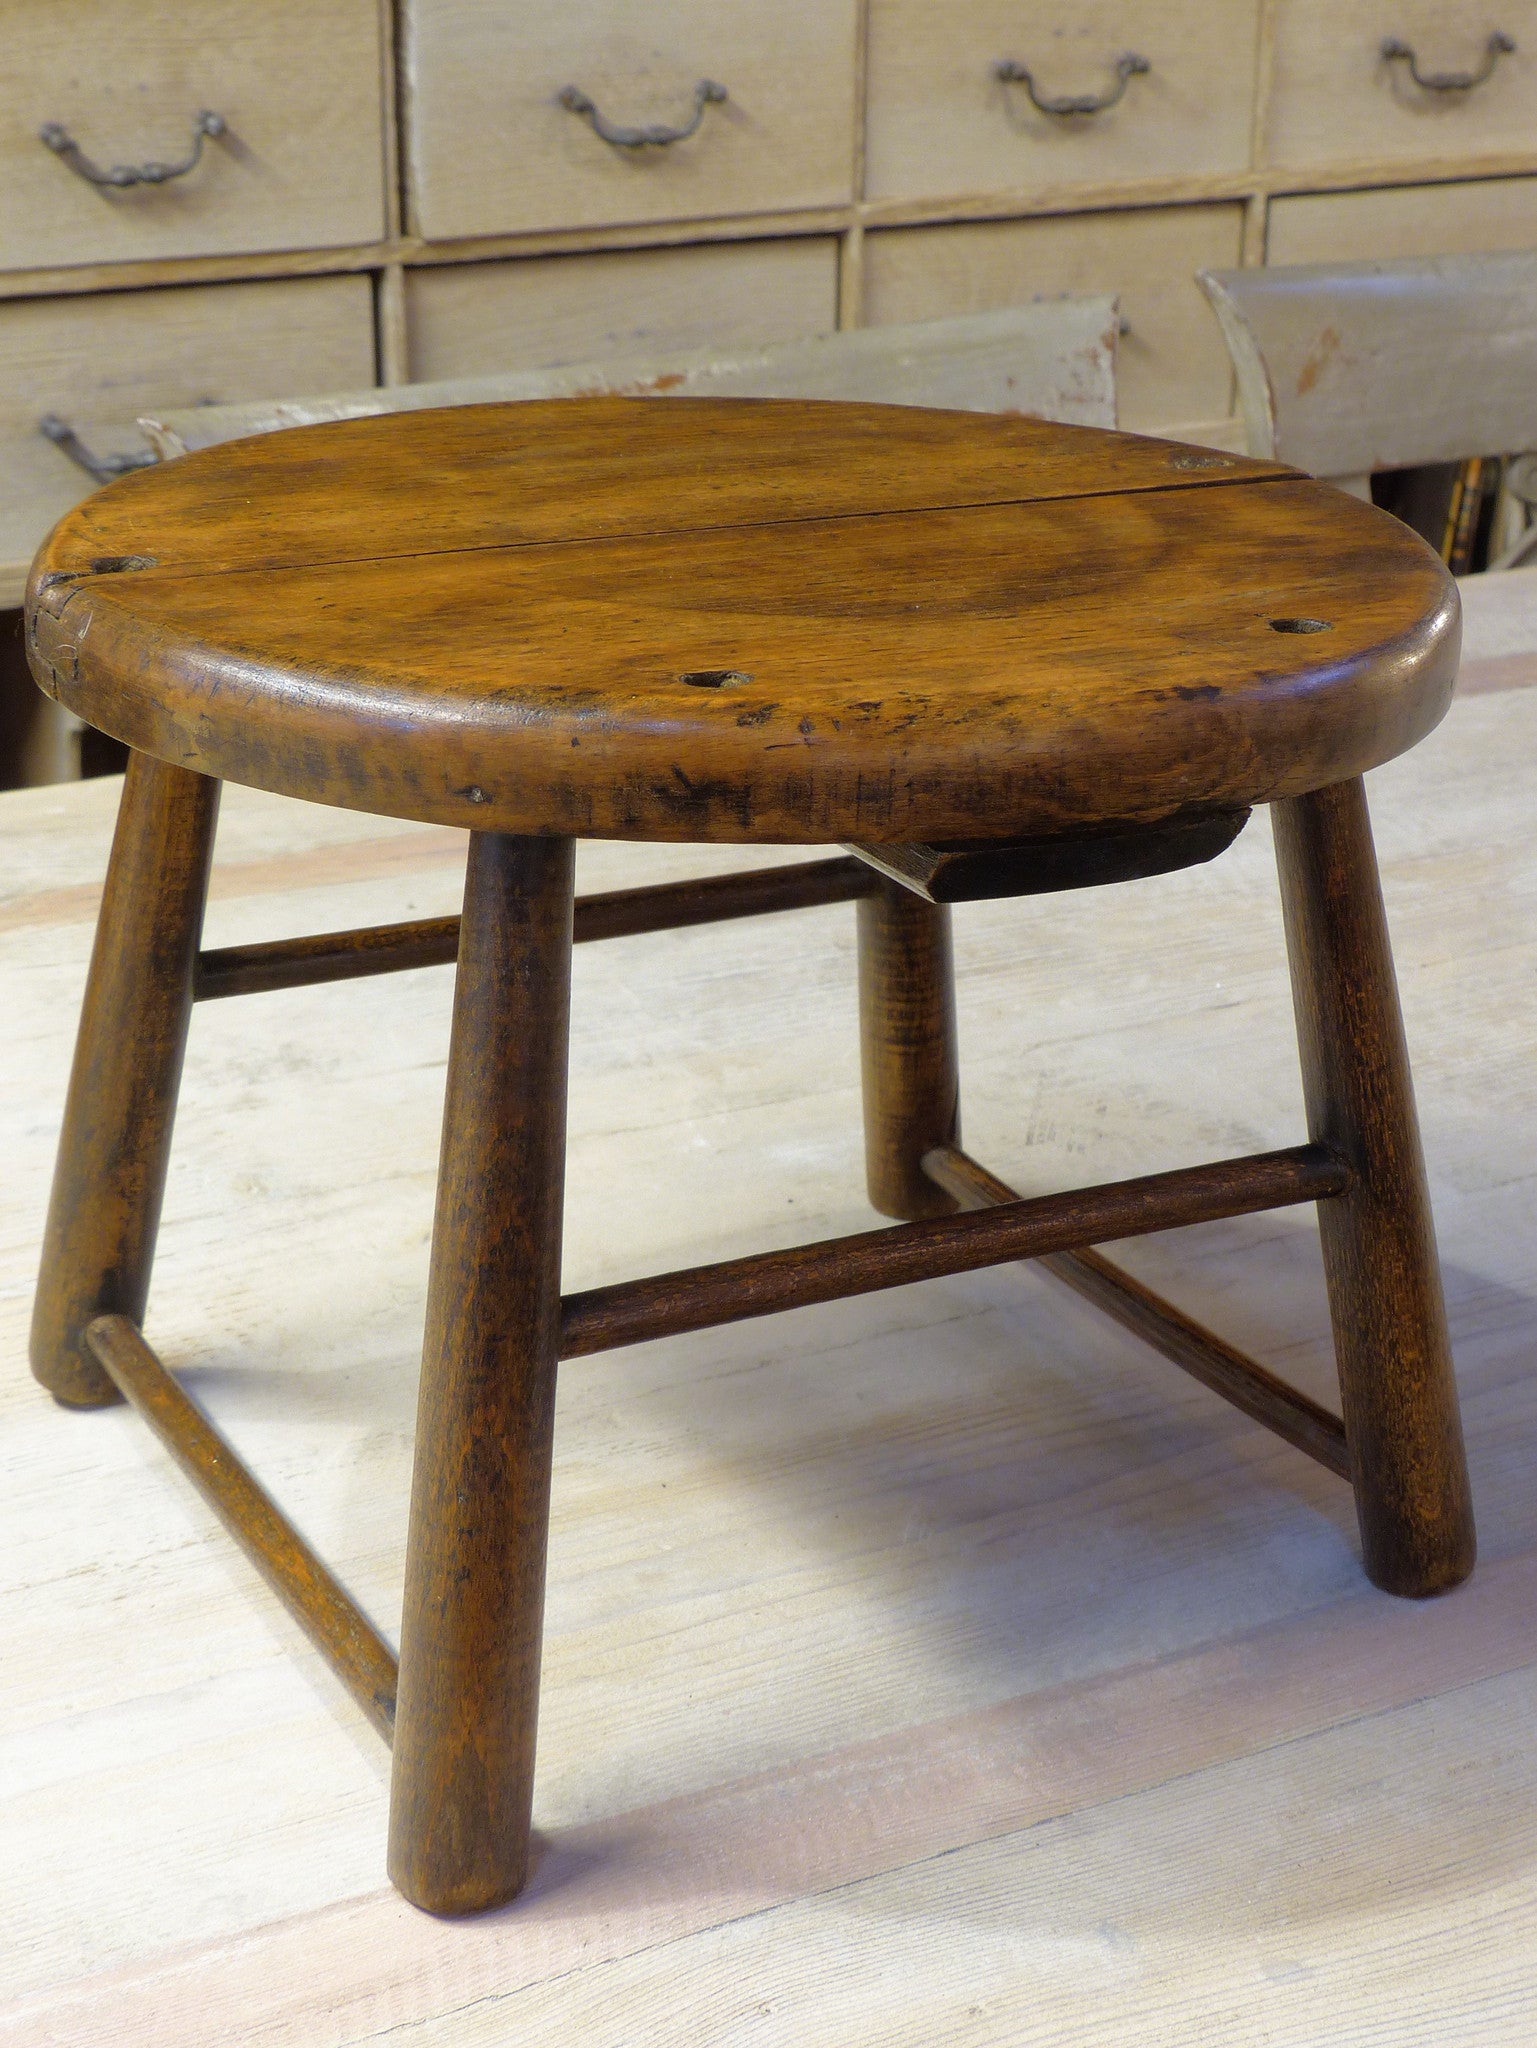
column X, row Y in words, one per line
column 907, row 1047
column 1390, row 1335
column 115, row 1145
column 474, row 1598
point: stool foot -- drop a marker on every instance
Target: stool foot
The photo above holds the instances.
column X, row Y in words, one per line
column 908, row 1055
column 470, row 1634
column 99, row 1244
column 1396, row 1381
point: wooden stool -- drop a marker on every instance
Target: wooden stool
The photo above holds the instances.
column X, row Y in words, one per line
column 990, row 656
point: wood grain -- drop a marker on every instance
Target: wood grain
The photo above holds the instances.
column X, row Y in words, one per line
column 114, row 1150
column 1397, row 1383
column 463, row 1779
column 769, row 705
column 766, row 1283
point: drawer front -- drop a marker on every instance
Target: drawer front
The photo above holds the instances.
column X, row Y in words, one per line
column 1336, row 98
column 941, row 120
column 1172, row 367
column 300, row 164
column 1478, row 218
column 98, row 362
column 492, row 149
column 471, row 319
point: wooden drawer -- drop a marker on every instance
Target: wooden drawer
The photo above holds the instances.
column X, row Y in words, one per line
column 942, row 121
column 101, row 361
column 492, row 150
column 1337, row 99
column 302, row 163
column 1479, row 217
column 1172, row 366
column 468, row 319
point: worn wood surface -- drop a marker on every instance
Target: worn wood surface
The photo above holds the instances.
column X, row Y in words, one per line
column 908, row 1062
column 936, row 1651
column 1396, row 1380
column 1382, row 364
column 115, row 1148
column 752, row 699
column 462, row 1786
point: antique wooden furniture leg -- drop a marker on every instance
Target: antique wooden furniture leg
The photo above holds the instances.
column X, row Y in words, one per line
column 908, row 1058
column 1390, row 1334
column 115, row 1145
column 474, row 1598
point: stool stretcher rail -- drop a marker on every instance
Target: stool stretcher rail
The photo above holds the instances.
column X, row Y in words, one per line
column 618, row 914
column 1205, row 1356
column 334, row 1623
column 632, row 1311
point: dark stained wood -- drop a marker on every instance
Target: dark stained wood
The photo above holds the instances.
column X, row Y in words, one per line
column 615, row 914
column 764, row 1283
column 983, row 870
column 1049, row 659
column 907, row 1047
column 470, row 1632
column 1250, row 1386
column 1396, row 1380
column 491, row 476
column 114, row 1149
column 329, row 1616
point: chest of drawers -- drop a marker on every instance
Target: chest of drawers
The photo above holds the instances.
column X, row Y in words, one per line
column 213, row 200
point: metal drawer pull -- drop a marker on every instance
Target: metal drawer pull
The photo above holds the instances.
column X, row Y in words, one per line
column 706, row 93
column 121, row 176
column 1499, row 45
column 1127, row 67
column 103, row 467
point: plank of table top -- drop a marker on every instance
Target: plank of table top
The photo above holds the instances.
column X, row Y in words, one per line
column 931, row 675
column 481, row 476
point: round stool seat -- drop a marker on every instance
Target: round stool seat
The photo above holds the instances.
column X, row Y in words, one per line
column 744, row 620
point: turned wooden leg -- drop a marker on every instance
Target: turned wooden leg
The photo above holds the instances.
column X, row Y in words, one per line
column 474, row 1599
column 907, row 1047
column 115, row 1145
column 1396, row 1384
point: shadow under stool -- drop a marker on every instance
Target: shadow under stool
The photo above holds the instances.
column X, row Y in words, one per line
column 989, row 656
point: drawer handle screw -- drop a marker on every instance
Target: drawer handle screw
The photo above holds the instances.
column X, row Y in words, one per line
column 706, row 93
column 1127, row 67
column 120, row 176
column 1395, row 50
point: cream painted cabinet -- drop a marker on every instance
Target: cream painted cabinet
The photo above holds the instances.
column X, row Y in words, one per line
column 97, row 362
column 431, row 188
column 1001, row 95
column 1481, row 215
column 525, row 115
column 93, row 89
column 1378, row 82
column 466, row 319
column 1172, row 366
